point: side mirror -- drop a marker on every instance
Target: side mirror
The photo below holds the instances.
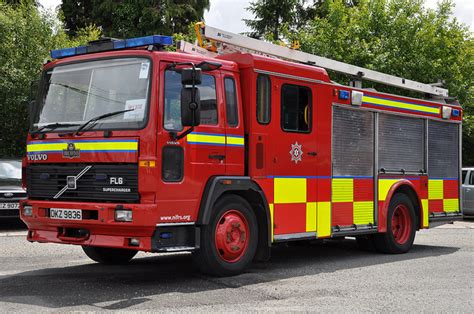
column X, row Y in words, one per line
column 190, row 106
column 190, row 76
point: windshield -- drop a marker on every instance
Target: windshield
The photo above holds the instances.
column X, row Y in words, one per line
column 10, row 170
column 75, row 93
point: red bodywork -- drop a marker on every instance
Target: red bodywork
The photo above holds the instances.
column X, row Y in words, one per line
column 179, row 202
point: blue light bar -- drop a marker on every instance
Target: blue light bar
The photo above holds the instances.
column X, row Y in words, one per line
column 113, row 44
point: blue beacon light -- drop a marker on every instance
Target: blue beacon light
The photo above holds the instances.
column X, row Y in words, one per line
column 112, row 44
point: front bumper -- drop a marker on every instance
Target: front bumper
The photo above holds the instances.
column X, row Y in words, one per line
column 98, row 227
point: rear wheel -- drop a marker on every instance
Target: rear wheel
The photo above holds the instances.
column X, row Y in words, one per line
column 229, row 241
column 401, row 225
column 109, row 256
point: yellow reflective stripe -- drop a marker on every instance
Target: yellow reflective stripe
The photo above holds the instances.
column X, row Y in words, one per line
column 384, row 187
column 424, row 204
column 206, row 139
column 45, row 147
column 289, row 190
column 451, row 205
column 231, row 140
column 399, row 104
column 342, row 190
column 271, row 219
column 323, row 219
column 85, row 146
column 310, row 216
column 363, row 213
column 435, row 189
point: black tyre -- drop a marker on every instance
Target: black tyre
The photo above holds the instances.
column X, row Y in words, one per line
column 229, row 241
column 401, row 227
column 109, row 256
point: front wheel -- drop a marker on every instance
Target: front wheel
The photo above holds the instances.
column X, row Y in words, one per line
column 401, row 227
column 109, row 256
column 229, row 241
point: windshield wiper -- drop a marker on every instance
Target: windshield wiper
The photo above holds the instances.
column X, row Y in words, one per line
column 110, row 114
column 52, row 126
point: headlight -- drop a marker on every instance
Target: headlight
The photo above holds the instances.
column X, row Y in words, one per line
column 123, row 215
column 28, row 210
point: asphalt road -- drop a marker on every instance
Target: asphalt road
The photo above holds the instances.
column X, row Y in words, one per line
column 436, row 275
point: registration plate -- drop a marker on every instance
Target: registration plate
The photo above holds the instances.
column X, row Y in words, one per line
column 67, row 214
column 9, row 205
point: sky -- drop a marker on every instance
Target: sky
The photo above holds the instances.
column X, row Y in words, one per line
column 228, row 14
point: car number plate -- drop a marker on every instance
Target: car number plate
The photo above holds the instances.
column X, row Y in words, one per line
column 9, row 205
column 67, row 214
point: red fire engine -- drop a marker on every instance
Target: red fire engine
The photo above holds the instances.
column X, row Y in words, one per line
column 224, row 153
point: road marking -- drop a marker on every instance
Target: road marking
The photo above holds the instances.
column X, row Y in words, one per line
column 13, row 233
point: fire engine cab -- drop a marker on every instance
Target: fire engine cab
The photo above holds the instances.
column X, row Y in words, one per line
column 228, row 147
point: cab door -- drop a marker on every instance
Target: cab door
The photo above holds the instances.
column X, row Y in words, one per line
column 188, row 163
column 294, row 160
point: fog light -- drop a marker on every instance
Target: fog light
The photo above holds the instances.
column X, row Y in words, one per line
column 134, row 242
column 123, row 215
column 28, row 210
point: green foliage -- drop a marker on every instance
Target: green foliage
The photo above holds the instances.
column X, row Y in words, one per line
column 26, row 37
column 132, row 18
column 276, row 18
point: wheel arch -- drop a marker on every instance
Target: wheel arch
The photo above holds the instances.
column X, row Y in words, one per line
column 407, row 188
column 245, row 187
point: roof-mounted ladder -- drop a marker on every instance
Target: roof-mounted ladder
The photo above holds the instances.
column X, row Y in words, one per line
column 225, row 42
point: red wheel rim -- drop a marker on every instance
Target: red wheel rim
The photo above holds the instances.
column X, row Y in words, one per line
column 232, row 236
column 401, row 224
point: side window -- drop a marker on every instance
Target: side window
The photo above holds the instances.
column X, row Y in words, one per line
column 295, row 108
column 464, row 174
column 231, row 102
column 208, row 100
column 471, row 178
column 263, row 99
column 172, row 100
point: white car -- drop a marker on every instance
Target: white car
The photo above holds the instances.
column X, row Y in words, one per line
column 11, row 191
column 468, row 191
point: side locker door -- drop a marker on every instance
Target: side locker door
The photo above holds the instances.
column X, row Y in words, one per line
column 187, row 164
column 294, row 161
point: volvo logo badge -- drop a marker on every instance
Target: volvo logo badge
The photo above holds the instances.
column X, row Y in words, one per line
column 8, row 194
column 71, row 151
column 71, row 182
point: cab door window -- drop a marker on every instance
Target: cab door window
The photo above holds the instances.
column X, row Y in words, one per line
column 231, row 102
column 172, row 100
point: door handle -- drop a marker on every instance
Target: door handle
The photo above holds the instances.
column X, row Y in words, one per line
column 312, row 154
column 218, row 157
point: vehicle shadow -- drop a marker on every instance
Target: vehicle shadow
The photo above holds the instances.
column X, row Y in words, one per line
column 171, row 276
column 11, row 224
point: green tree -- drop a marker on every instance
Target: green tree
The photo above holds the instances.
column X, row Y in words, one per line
column 26, row 37
column 131, row 18
column 275, row 18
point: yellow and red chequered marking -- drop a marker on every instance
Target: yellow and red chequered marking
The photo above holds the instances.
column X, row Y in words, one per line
column 419, row 183
column 352, row 201
column 295, row 207
column 443, row 195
